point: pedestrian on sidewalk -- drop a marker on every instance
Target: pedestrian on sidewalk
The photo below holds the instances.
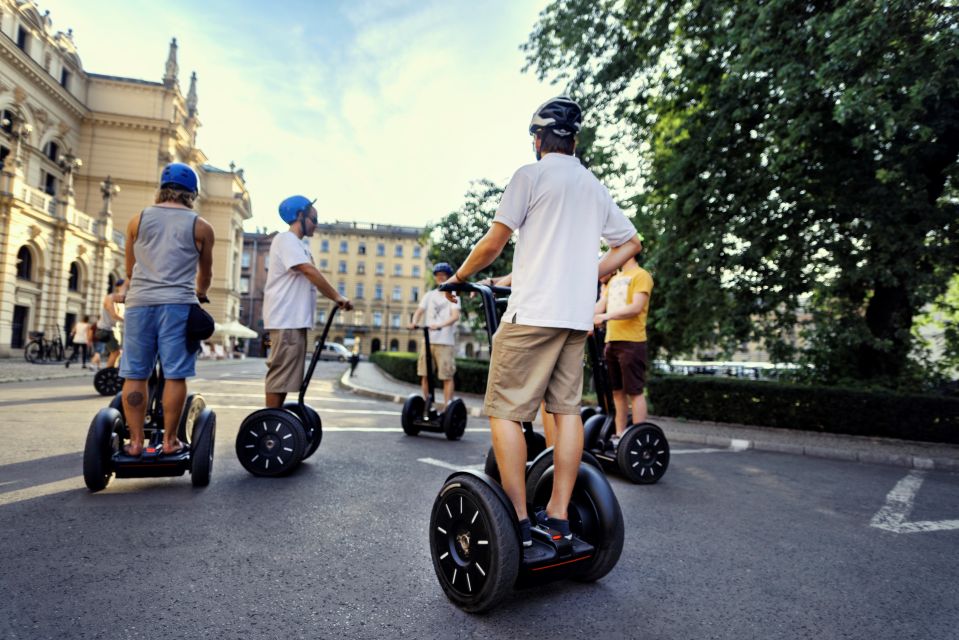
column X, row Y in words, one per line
column 441, row 315
column 561, row 211
column 80, row 338
column 623, row 306
column 169, row 263
column 289, row 299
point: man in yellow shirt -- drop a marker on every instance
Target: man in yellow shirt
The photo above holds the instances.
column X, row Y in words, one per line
column 624, row 305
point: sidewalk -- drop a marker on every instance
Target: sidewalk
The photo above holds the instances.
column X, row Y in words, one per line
column 369, row 380
column 19, row 370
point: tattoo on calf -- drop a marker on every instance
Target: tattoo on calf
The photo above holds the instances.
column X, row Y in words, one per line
column 135, row 399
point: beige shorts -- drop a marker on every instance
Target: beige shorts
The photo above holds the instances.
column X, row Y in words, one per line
column 530, row 364
column 286, row 361
column 443, row 361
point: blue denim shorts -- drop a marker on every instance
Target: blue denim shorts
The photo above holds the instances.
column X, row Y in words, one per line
column 156, row 330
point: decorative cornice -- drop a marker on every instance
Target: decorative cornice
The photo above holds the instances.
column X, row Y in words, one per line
column 20, row 60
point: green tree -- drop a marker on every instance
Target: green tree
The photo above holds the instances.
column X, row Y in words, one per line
column 799, row 161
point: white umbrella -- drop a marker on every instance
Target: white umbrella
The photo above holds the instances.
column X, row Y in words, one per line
column 235, row 329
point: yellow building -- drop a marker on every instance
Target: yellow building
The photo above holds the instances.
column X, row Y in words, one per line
column 384, row 271
column 82, row 153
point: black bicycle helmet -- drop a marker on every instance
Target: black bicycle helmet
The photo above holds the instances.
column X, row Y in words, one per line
column 560, row 114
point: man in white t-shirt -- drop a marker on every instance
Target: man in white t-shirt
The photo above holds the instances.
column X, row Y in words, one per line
column 561, row 211
column 441, row 317
column 289, row 299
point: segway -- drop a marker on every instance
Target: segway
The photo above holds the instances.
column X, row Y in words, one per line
column 419, row 413
column 475, row 540
column 642, row 455
column 107, row 381
column 103, row 456
column 273, row 442
column 494, row 298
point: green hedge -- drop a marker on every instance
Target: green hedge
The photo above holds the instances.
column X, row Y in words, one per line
column 771, row 404
column 470, row 374
column 810, row 408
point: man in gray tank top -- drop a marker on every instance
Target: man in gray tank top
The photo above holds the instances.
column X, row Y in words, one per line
column 169, row 261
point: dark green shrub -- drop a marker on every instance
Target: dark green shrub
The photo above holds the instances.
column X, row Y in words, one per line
column 470, row 374
column 810, row 408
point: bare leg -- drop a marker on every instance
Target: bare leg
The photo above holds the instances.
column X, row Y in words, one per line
column 640, row 411
column 174, row 395
column 135, row 409
column 619, row 400
column 425, row 387
column 112, row 358
column 549, row 426
column 509, row 445
column 275, row 400
column 447, row 391
column 566, row 458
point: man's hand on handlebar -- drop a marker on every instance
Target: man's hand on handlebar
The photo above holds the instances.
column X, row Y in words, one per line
column 344, row 303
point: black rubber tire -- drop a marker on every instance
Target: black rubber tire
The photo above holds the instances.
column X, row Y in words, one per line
column 455, row 417
column 543, row 462
column 585, row 413
column 33, row 352
column 261, row 442
column 203, row 437
column 412, row 410
column 192, row 408
column 474, row 544
column 103, row 440
column 594, row 516
column 108, row 382
column 535, row 444
column 312, row 426
column 643, row 454
column 591, row 430
column 491, row 468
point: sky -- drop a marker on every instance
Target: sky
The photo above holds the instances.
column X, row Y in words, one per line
column 383, row 110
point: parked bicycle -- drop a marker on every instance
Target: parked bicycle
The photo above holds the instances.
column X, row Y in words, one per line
column 41, row 349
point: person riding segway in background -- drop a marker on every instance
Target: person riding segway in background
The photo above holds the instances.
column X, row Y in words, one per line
column 624, row 306
column 110, row 317
column 441, row 317
column 169, row 264
column 289, row 299
column 562, row 211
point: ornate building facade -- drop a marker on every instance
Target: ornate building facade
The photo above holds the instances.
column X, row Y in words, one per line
column 81, row 155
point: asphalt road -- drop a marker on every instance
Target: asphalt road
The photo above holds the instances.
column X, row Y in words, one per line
column 727, row 545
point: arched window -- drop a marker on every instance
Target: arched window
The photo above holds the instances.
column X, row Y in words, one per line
column 394, row 345
column 24, row 264
column 6, row 121
column 110, row 281
column 469, row 349
column 52, row 150
column 375, row 345
column 411, row 346
column 73, row 284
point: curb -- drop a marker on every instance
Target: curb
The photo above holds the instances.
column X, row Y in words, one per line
column 772, row 446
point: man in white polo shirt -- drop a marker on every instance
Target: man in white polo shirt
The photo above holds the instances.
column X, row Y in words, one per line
column 441, row 317
column 561, row 211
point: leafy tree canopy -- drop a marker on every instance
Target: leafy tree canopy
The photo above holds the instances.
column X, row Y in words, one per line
column 798, row 165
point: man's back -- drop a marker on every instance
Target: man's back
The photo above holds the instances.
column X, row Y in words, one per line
column 560, row 210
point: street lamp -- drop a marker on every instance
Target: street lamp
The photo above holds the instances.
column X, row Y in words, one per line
column 68, row 163
column 108, row 189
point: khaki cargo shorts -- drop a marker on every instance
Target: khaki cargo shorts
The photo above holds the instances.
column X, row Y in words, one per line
column 443, row 361
column 530, row 364
column 286, row 361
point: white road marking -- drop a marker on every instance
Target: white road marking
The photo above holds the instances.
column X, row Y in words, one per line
column 451, row 467
column 320, row 410
column 210, row 394
column 899, row 503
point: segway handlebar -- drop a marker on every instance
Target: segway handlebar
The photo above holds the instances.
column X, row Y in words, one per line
column 488, row 294
column 320, row 343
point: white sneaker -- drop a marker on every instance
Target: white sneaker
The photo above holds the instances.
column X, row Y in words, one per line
column 614, row 441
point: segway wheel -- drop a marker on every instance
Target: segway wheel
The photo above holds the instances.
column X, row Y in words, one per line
column 108, row 382
column 585, row 413
column 202, row 439
column 535, row 444
column 591, row 430
column 103, row 440
column 594, row 516
column 643, row 454
column 474, row 544
column 543, row 462
column 491, row 468
column 270, row 442
column 312, row 425
column 192, row 408
column 412, row 411
column 454, row 419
